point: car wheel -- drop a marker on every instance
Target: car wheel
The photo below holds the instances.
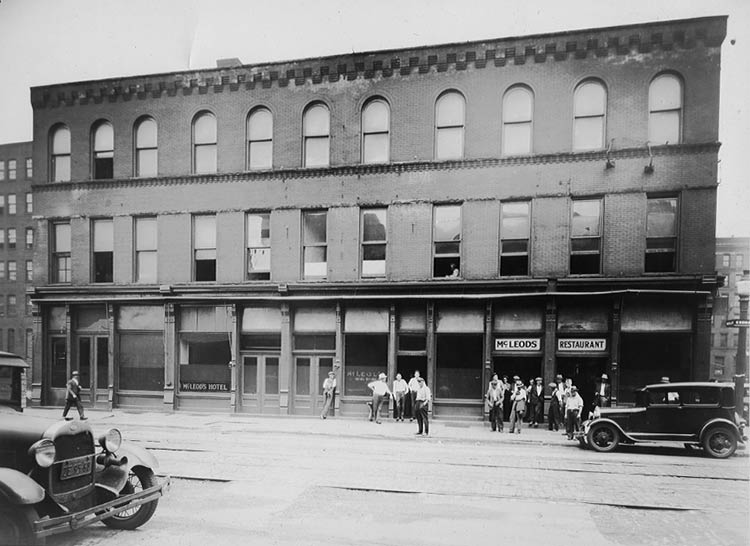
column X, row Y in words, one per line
column 17, row 526
column 139, row 479
column 603, row 438
column 720, row 442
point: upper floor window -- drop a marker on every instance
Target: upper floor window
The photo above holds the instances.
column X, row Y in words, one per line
column 260, row 139
column 60, row 253
column 2, row 170
column 204, row 143
column 316, row 128
column 145, row 250
column 146, row 148
column 450, row 116
column 29, row 238
column 60, row 154
column 258, row 246
column 585, row 237
column 665, row 109
column 103, row 151
column 2, row 204
column 29, row 202
column 29, row 270
column 2, row 238
column 515, row 229
column 12, row 169
column 103, row 250
column 315, row 244
column 12, row 203
column 29, row 168
column 446, row 237
column 376, row 123
column 12, row 238
column 725, row 260
column 589, row 110
column 12, row 271
column 661, row 235
column 204, row 245
column 374, row 242
column 739, row 261
column 518, row 110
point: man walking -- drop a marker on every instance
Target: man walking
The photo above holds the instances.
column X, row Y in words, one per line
column 423, row 397
column 379, row 390
column 73, row 397
column 536, row 402
column 329, row 387
column 400, row 390
column 413, row 387
column 495, row 395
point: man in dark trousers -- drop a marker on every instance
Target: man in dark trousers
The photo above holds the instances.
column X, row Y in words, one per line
column 603, row 394
column 422, row 405
column 536, row 403
column 73, row 397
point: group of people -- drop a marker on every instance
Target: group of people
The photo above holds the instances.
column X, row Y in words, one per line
column 516, row 403
column 412, row 398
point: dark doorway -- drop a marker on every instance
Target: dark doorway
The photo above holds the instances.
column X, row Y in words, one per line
column 525, row 367
column 584, row 372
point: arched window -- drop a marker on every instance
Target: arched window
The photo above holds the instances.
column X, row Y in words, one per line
column 316, row 128
column 60, row 154
column 103, row 153
column 518, row 110
column 665, row 110
column 146, row 150
column 589, row 110
column 376, row 126
column 204, row 143
column 259, row 139
column 450, row 115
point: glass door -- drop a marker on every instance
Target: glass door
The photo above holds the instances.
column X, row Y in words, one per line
column 260, row 383
column 309, row 374
column 93, row 367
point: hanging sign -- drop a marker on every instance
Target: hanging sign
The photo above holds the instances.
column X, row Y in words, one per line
column 582, row 345
column 518, row 344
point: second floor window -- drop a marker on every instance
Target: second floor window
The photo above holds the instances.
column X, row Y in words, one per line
column 661, row 235
column 450, row 114
column 589, row 110
column 103, row 250
column 204, row 245
column 29, row 202
column 316, row 129
column 446, row 237
column 12, row 168
column 145, row 250
column 258, row 246
column 315, row 244
column 103, row 151
column 376, row 122
column 518, row 107
column 29, row 238
column 61, row 253
column 585, row 237
column 204, row 144
column 60, row 154
column 374, row 242
column 665, row 110
column 146, row 148
column 11, row 238
column 260, row 139
column 515, row 228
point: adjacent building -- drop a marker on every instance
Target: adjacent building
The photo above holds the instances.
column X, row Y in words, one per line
column 220, row 239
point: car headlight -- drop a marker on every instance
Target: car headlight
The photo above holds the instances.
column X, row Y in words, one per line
column 44, row 452
column 111, row 440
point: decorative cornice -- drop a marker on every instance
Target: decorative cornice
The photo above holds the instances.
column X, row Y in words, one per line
column 385, row 168
column 620, row 41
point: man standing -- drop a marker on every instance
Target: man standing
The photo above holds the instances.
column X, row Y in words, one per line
column 379, row 390
column 536, row 400
column 602, row 396
column 423, row 397
column 413, row 387
column 518, row 408
column 495, row 395
column 573, row 407
column 329, row 386
column 400, row 389
column 73, row 397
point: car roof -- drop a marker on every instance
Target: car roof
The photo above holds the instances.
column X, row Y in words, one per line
column 714, row 384
column 12, row 360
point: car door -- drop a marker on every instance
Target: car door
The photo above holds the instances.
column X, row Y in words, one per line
column 664, row 413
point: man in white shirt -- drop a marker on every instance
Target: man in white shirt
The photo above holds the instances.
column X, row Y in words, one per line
column 573, row 407
column 379, row 390
column 329, row 386
column 423, row 397
column 518, row 407
column 603, row 392
column 413, row 386
column 400, row 389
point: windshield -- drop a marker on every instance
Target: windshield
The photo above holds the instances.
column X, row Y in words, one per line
column 10, row 386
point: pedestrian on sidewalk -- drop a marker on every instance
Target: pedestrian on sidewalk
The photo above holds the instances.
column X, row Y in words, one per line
column 422, row 403
column 573, row 407
column 413, row 387
column 329, row 387
column 603, row 392
column 518, row 408
column 536, row 403
column 73, row 397
column 400, row 390
column 380, row 394
column 495, row 396
column 554, row 417
column 508, row 390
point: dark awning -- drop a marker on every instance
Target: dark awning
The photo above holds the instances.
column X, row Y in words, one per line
column 14, row 361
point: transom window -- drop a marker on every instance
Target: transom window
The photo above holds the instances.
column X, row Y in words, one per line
column 665, row 110
column 446, row 236
column 260, row 139
column 518, row 107
column 585, row 237
column 204, row 143
column 316, row 128
column 376, row 122
column 146, row 148
column 60, row 154
column 315, row 244
column 515, row 228
column 450, row 117
column 103, row 151
column 258, row 246
column 661, row 235
column 590, row 107
column 374, row 242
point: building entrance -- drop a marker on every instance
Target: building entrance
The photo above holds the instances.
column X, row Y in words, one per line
column 584, row 372
column 309, row 374
column 260, row 383
column 92, row 361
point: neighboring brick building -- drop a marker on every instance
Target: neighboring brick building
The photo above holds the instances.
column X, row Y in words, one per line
column 457, row 209
column 732, row 258
column 16, row 248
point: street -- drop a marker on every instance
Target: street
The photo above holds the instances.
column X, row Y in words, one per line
column 289, row 481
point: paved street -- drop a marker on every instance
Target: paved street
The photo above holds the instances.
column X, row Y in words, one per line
column 298, row 481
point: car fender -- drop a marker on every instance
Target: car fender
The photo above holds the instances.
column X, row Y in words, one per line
column 137, row 456
column 17, row 488
column 723, row 422
column 112, row 478
column 615, row 424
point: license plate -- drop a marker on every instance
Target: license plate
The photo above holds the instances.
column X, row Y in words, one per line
column 72, row 468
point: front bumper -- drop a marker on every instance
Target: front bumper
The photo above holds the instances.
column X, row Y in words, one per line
column 52, row 526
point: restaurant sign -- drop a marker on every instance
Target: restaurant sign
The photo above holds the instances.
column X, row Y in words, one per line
column 582, row 345
column 518, row 344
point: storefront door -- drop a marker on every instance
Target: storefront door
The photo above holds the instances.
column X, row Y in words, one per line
column 309, row 373
column 93, row 367
column 585, row 372
column 260, row 383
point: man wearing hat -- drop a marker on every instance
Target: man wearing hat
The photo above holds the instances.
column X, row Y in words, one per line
column 329, row 386
column 424, row 395
column 518, row 407
column 536, row 403
column 73, row 397
column 603, row 393
column 379, row 390
column 573, row 407
column 495, row 396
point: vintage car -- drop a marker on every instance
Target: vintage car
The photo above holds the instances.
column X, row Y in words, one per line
column 698, row 413
column 55, row 476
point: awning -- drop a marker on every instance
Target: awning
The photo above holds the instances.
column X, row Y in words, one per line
column 14, row 361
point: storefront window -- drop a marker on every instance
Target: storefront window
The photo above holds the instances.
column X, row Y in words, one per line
column 366, row 356
column 141, row 348
column 59, row 372
column 205, row 349
column 459, row 366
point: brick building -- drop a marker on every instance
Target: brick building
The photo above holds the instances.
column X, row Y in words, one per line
column 220, row 239
column 732, row 258
column 16, row 248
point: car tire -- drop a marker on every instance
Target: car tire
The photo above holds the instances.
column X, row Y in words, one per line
column 720, row 442
column 140, row 478
column 17, row 526
column 603, row 437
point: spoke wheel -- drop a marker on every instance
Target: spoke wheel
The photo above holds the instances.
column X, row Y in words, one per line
column 132, row 518
column 720, row 442
column 603, row 437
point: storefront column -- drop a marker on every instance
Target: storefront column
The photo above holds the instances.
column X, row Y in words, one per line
column 37, row 361
column 234, row 369
column 487, row 357
column 285, row 360
column 391, row 344
column 169, row 355
column 550, row 331
column 338, row 359
column 431, row 348
column 110, row 355
column 614, row 372
column 702, row 342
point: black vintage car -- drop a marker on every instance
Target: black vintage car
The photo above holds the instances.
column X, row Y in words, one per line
column 698, row 413
column 55, row 477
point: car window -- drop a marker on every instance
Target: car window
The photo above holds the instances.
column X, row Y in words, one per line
column 664, row 397
column 702, row 397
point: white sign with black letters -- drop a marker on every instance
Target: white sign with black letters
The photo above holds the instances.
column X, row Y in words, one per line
column 518, row 344
column 582, row 345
